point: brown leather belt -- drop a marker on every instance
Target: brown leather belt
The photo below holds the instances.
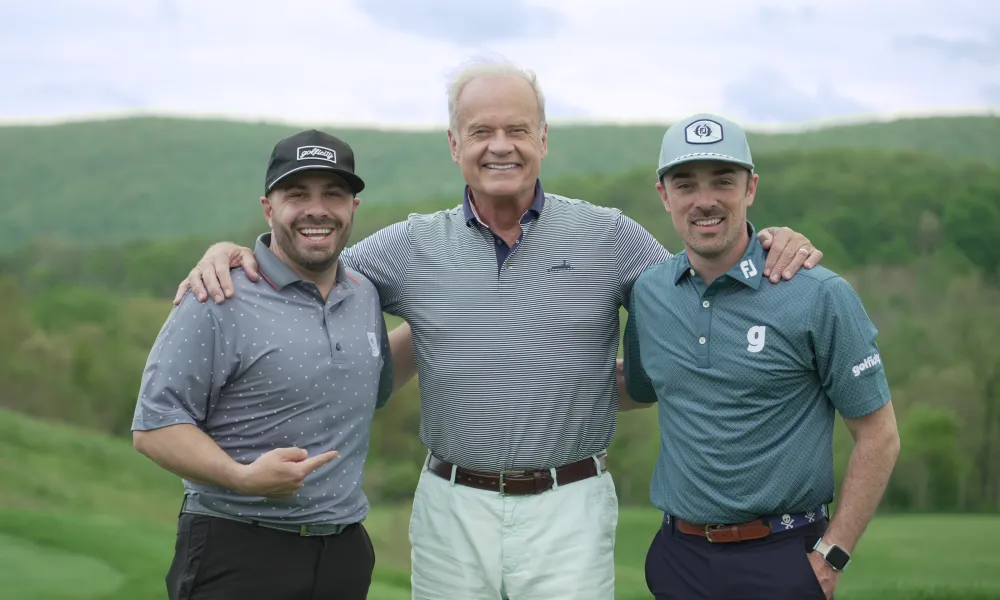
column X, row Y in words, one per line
column 520, row 483
column 741, row 532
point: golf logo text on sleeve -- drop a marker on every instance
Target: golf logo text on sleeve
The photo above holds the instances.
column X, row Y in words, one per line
column 867, row 363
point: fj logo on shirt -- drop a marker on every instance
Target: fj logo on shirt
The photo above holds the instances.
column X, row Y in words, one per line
column 373, row 342
column 748, row 268
column 867, row 363
column 755, row 337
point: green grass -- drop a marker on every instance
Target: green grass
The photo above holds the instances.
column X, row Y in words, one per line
column 83, row 516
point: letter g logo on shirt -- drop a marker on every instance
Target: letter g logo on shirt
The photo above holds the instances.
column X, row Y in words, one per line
column 755, row 337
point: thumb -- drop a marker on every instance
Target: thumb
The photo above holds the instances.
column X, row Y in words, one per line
column 250, row 266
column 319, row 460
column 291, row 454
column 766, row 236
column 181, row 290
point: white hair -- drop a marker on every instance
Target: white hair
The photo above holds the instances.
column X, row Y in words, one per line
column 487, row 67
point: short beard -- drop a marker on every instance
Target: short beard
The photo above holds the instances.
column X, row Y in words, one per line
column 284, row 239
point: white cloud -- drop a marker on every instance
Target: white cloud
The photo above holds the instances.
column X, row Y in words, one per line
column 354, row 61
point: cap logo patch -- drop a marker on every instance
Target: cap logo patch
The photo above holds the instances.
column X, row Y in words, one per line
column 704, row 131
column 316, row 153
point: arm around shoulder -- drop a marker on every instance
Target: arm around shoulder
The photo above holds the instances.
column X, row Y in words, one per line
column 210, row 277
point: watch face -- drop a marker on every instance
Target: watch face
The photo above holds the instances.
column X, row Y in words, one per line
column 838, row 558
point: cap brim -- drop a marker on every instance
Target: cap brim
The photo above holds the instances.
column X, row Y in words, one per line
column 701, row 156
column 356, row 183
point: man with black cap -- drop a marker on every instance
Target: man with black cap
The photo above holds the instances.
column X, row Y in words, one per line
column 263, row 405
column 749, row 378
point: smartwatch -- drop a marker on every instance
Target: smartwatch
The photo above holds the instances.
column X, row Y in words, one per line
column 834, row 555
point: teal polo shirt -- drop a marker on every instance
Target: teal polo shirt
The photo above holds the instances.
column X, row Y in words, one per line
column 748, row 376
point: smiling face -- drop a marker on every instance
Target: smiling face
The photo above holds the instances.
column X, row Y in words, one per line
column 500, row 141
column 311, row 215
column 708, row 201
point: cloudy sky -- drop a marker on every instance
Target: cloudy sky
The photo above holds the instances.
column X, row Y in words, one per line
column 386, row 61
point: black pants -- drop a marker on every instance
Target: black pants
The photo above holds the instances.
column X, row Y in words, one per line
column 222, row 559
column 680, row 566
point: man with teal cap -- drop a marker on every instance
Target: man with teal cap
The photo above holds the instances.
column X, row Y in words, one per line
column 748, row 378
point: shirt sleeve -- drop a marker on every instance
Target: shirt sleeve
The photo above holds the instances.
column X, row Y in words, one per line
column 186, row 369
column 635, row 249
column 847, row 357
column 637, row 383
column 384, row 258
column 385, row 380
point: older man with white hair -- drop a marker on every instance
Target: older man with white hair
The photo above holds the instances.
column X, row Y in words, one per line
column 513, row 298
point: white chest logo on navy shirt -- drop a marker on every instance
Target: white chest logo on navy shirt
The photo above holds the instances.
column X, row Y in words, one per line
column 373, row 342
column 748, row 268
column 755, row 338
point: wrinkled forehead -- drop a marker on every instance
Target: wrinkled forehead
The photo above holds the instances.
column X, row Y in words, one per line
column 498, row 100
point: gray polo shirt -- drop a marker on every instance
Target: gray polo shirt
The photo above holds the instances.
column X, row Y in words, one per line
column 276, row 366
column 748, row 376
column 515, row 346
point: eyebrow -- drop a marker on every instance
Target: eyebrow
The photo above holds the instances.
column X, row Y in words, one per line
column 328, row 186
column 689, row 175
column 523, row 124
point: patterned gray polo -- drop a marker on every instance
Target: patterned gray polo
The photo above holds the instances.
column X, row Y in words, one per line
column 748, row 376
column 276, row 366
column 515, row 347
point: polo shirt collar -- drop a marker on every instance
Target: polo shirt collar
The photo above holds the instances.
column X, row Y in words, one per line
column 748, row 270
column 280, row 275
column 471, row 218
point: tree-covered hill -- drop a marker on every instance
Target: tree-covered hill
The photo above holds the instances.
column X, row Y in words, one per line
column 162, row 178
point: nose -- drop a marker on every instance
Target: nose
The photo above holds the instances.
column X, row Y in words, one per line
column 705, row 199
column 500, row 144
column 316, row 208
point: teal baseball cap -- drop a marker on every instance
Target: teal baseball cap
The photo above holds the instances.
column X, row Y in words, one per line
column 704, row 137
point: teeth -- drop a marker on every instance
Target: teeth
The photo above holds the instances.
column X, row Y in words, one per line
column 707, row 222
column 315, row 231
column 500, row 167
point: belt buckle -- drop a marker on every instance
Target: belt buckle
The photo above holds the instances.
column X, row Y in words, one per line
column 502, row 483
column 709, row 529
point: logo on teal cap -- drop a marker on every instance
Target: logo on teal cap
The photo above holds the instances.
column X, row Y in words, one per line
column 703, row 131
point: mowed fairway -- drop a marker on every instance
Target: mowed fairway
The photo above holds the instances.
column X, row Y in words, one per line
column 85, row 517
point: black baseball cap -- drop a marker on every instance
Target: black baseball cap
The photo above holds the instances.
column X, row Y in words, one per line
column 312, row 150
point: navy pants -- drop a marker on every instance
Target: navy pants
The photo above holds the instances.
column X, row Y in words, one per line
column 680, row 566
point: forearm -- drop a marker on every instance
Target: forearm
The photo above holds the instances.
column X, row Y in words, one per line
column 188, row 452
column 868, row 472
column 404, row 365
column 625, row 402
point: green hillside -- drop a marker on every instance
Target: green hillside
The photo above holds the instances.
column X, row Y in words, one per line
column 161, row 178
column 862, row 207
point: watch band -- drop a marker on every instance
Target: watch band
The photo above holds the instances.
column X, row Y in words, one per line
column 842, row 559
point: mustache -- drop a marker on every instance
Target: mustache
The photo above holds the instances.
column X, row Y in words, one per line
column 703, row 213
column 318, row 223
